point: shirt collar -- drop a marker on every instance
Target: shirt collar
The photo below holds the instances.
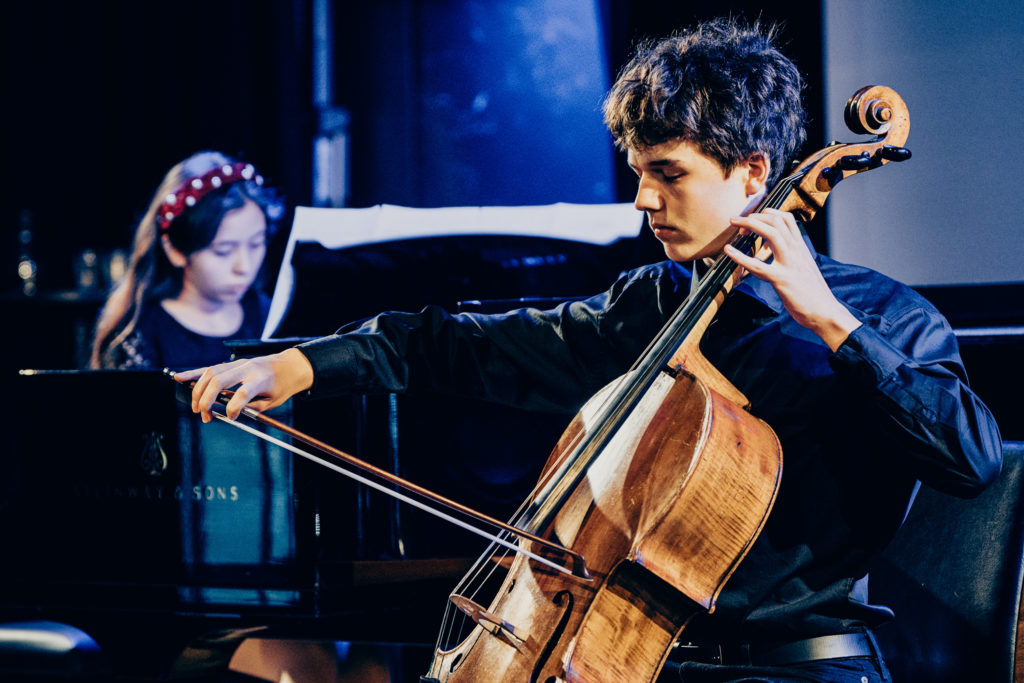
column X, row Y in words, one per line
column 761, row 292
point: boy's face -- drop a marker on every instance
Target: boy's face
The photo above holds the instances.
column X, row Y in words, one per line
column 689, row 200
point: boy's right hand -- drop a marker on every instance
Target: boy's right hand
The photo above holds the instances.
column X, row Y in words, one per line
column 262, row 383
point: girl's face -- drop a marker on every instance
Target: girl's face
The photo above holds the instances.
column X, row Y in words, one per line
column 223, row 272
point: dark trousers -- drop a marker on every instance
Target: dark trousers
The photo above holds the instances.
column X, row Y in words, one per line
column 861, row 669
column 853, row 670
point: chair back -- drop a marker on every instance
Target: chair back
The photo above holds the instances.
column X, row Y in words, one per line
column 953, row 577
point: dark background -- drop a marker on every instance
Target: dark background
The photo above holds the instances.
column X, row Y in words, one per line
column 102, row 98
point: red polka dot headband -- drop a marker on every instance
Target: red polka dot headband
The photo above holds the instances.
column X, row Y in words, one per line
column 194, row 189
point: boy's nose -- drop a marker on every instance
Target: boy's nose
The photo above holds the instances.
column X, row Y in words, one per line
column 647, row 198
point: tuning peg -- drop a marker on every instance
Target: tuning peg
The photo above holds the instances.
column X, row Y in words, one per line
column 893, row 153
column 831, row 175
column 855, row 162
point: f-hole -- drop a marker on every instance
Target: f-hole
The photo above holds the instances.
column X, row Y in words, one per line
column 564, row 600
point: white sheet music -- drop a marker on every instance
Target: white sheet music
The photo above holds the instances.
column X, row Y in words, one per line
column 339, row 228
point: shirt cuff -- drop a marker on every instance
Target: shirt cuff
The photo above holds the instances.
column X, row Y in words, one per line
column 868, row 354
column 330, row 359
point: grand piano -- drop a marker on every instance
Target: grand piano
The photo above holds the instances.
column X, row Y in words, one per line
column 162, row 543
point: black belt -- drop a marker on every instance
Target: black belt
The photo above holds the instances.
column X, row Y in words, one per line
column 838, row 646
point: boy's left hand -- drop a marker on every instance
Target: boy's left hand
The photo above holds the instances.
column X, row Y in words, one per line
column 794, row 275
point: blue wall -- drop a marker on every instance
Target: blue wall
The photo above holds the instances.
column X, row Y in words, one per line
column 510, row 104
column 474, row 103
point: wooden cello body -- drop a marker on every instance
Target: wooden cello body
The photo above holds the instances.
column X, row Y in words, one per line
column 633, row 518
column 662, row 483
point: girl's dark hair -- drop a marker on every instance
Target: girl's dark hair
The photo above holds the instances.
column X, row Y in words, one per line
column 722, row 85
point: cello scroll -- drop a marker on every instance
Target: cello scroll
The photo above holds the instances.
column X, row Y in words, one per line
column 872, row 110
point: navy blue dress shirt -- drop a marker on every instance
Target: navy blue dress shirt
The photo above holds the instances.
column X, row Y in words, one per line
column 859, row 428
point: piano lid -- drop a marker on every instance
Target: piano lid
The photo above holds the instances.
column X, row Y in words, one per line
column 345, row 264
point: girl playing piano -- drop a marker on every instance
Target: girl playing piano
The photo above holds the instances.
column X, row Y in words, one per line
column 189, row 284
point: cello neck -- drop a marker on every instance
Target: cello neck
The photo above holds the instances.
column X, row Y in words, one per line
column 676, row 344
column 687, row 325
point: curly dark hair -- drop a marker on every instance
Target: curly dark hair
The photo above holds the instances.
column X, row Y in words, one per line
column 722, row 85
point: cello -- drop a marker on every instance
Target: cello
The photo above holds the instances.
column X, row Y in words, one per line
column 660, row 548
column 612, row 558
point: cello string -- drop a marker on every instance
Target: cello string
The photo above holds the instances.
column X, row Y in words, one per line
column 610, row 404
column 603, row 395
column 452, row 615
column 475, row 579
column 616, row 407
column 617, row 403
column 478, row 572
column 494, row 539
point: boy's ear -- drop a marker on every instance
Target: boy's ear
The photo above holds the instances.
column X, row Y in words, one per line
column 177, row 259
column 758, row 167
